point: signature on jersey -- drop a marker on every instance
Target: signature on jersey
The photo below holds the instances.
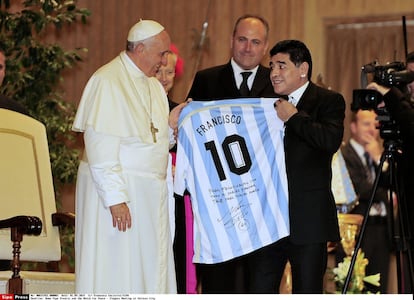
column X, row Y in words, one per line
column 236, row 217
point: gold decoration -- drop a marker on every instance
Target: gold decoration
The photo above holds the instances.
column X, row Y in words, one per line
column 349, row 225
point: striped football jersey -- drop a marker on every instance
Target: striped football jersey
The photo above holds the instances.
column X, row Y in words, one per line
column 230, row 158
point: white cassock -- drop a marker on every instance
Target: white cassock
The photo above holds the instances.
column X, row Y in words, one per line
column 122, row 163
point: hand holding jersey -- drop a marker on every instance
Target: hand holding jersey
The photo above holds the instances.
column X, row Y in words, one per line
column 230, row 157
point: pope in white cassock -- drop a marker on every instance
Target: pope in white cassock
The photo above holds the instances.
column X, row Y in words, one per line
column 122, row 235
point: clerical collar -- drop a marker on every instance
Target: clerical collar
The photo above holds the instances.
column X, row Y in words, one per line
column 238, row 78
column 130, row 62
column 296, row 95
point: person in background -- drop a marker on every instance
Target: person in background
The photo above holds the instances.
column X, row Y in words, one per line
column 314, row 129
column 184, row 268
column 122, row 238
column 410, row 67
column 168, row 73
column 362, row 155
column 401, row 111
column 249, row 44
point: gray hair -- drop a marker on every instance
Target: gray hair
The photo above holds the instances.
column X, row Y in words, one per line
column 130, row 46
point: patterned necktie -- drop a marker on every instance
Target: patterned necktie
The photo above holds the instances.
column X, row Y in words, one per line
column 244, row 88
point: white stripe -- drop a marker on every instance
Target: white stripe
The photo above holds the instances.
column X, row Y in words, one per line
column 219, row 232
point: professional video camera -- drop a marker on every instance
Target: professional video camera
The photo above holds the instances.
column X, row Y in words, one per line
column 391, row 74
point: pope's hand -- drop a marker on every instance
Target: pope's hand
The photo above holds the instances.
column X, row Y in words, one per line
column 175, row 114
column 121, row 216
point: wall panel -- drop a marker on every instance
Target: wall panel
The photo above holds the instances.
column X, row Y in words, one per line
column 107, row 28
column 105, row 34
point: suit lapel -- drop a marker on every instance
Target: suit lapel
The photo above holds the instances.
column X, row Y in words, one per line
column 353, row 155
column 228, row 84
column 260, row 82
column 308, row 98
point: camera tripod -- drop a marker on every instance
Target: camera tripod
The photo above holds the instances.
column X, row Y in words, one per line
column 400, row 236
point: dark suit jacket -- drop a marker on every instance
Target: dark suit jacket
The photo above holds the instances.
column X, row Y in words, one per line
column 214, row 84
column 402, row 112
column 312, row 136
column 362, row 186
column 10, row 104
column 218, row 83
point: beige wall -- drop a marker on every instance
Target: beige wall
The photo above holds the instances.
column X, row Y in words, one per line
column 320, row 12
column 105, row 34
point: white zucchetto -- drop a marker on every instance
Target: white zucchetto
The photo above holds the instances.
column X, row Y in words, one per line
column 144, row 29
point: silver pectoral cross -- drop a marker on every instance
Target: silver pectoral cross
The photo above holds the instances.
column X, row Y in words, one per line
column 154, row 130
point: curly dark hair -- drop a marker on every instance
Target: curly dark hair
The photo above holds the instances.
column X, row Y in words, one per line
column 297, row 50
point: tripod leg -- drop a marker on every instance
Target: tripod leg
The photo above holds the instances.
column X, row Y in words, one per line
column 402, row 237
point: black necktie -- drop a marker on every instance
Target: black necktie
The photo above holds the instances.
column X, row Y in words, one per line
column 369, row 167
column 244, row 89
column 370, row 170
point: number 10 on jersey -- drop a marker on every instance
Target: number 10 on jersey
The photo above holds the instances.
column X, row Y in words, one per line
column 235, row 152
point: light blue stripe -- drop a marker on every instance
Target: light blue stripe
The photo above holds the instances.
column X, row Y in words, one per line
column 234, row 180
column 251, row 144
column 203, row 210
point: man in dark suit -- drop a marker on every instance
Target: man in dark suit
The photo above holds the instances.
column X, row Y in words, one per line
column 362, row 153
column 249, row 44
column 410, row 67
column 7, row 103
column 401, row 110
column 314, row 128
